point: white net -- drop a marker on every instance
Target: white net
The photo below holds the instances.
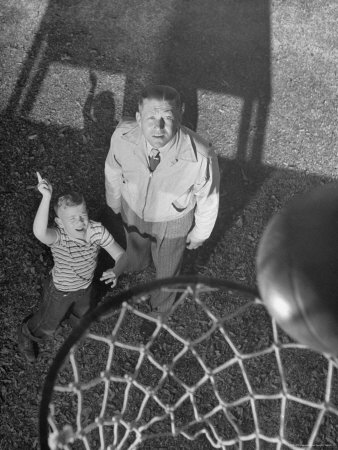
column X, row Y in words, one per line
column 217, row 373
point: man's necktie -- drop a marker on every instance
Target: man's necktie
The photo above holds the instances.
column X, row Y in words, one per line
column 154, row 159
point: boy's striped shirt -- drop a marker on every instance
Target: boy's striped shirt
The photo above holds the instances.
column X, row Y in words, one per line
column 75, row 260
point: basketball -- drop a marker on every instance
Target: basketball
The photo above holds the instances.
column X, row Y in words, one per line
column 297, row 268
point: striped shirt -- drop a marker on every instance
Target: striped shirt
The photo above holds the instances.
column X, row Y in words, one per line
column 75, row 260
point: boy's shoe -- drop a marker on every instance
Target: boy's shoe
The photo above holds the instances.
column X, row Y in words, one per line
column 26, row 346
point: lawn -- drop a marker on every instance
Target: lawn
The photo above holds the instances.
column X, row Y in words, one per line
column 259, row 80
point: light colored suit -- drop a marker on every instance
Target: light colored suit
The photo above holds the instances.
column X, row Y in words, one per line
column 187, row 178
column 160, row 208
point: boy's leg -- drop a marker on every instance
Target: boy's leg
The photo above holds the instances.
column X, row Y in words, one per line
column 44, row 322
column 82, row 301
column 54, row 307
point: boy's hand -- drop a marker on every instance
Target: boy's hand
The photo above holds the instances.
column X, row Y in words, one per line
column 109, row 277
column 44, row 186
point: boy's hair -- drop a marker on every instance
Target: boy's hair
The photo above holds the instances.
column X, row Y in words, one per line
column 70, row 199
column 160, row 92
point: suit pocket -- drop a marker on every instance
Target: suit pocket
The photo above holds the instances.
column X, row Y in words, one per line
column 184, row 200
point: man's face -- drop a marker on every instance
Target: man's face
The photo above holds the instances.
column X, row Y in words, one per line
column 159, row 121
column 74, row 220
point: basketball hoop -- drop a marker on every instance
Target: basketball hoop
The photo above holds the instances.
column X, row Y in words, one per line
column 215, row 373
column 218, row 370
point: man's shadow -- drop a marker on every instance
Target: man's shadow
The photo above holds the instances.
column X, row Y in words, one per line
column 99, row 125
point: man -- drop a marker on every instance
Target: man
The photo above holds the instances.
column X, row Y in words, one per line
column 164, row 180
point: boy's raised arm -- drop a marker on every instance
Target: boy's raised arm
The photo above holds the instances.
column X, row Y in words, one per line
column 40, row 226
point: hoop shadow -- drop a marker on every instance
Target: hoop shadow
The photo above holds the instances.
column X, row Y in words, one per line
column 219, row 49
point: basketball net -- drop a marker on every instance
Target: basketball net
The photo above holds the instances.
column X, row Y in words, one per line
column 218, row 371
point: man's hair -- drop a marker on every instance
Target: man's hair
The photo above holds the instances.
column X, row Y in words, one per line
column 160, row 92
column 69, row 199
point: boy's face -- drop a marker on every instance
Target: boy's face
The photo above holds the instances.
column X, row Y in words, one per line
column 74, row 220
column 159, row 121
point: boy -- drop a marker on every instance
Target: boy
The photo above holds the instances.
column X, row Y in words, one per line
column 74, row 243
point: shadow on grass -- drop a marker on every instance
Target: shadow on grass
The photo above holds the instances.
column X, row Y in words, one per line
column 61, row 156
column 220, row 48
column 59, row 119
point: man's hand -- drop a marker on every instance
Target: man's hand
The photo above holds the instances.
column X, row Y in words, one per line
column 192, row 244
column 44, row 186
column 109, row 277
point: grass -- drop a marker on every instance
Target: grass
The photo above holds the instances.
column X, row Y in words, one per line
column 259, row 81
column 256, row 381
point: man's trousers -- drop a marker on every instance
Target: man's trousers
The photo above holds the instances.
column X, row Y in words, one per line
column 162, row 243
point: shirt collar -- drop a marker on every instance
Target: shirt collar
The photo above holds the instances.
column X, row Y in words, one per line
column 185, row 145
column 163, row 149
column 80, row 241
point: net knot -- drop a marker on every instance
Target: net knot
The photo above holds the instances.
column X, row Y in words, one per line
column 129, row 378
column 117, row 418
column 166, row 369
column 189, row 345
column 81, row 434
column 150, row 391
column 209, row 373
column 75, row 386
column 99, row 421
column 191, row 389
column 131, row 426
column 113, row 337
column 169, row 409
column 277, row 345
column 144, row 350
column 105, row 375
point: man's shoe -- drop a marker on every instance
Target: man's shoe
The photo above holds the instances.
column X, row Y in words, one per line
column 147, row 329
column 73, row 321
column 26, row 346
